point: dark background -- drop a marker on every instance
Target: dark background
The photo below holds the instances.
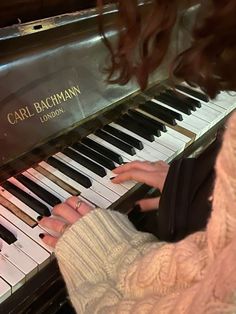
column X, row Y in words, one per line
column 11, row 11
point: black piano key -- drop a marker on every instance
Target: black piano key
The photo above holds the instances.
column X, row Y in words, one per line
column 130, row 124
column 156, row 124
column 192, row 103
column 123, row 136
column 7, row 235
column 150, row 108
column 30, row 201
column 116, row 142
column 103, row 150
column 193, row 93
column 38, row 190
column 107, row 163
column 173, row 102
column 87, row 163
column 166, row 111
column 152, row 129
column 70, row 172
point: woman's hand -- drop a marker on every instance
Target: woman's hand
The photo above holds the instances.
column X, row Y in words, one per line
column 150, row 173
column 64, row 215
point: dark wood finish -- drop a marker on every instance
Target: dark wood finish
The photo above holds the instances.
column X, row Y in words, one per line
column 11, row 12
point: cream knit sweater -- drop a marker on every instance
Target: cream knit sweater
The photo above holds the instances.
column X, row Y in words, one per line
column 109, row 267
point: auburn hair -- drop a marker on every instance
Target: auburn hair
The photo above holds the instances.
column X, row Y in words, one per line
column 143, row 42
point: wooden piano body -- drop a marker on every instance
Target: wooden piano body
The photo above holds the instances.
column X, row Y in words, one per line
column 53, row 94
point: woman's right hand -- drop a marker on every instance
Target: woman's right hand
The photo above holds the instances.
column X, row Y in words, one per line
column 150, row 173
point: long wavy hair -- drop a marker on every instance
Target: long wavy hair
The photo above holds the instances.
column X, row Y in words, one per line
column 143, row 42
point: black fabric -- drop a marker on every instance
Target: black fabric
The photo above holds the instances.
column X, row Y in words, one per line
column 184, row 205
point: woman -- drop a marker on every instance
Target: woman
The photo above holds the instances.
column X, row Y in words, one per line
column 110, row 267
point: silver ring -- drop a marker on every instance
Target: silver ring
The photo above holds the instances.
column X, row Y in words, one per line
column 78, row 204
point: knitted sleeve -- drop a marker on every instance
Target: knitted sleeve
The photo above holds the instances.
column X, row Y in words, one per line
column 104, row 260
column 110, row 267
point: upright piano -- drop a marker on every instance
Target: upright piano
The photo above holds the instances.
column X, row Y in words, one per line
column 63, row 130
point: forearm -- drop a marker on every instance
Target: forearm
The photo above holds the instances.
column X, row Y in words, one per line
column 104, row 260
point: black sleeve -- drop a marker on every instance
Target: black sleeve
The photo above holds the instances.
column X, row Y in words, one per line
column 184, row 205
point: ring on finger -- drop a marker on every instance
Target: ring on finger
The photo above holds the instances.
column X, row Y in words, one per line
column 78, row 204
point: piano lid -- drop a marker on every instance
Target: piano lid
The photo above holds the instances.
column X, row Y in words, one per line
column 11, row 12
column 51, row 78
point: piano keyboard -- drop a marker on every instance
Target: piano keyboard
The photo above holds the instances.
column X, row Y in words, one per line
column 159, row 129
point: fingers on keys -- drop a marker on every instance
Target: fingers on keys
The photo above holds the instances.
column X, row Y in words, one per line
column 63, row 216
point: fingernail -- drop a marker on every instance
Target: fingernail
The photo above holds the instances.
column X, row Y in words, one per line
column 112, row 178
column 41, row 235
column 39, row 218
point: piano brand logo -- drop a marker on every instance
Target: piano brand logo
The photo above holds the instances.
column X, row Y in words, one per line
column 43, row 106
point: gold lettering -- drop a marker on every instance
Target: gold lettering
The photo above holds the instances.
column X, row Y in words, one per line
column 25, row 113
column 17, row 116
column 61, row 97
column 55, row 99
column 11, row 118
column 67, row 95
column 43, row 105
column 37, row 107
column 51, row 115
column 48, row 103
column 20, row 115
column 72, row 92
column 77, row 89
column 30, row 114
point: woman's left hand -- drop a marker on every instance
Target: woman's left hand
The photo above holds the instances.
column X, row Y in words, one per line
column 64, row 215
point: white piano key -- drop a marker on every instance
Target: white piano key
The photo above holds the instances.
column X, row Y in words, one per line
column 190, row 122
column 105, row 181
column 89, row 194
column 179, row 136
column 96, row 185
column 211, row 105
column 126, row 157
column 149, row 147
column 44, row 186
column 11, row 274
column 32, row 233
column 212, row 114
column 41, row 179
column 144, row 155
column 28, row 191
column 127, row 185
column 226, row 100
column 18, row 258
column 164, row 149
column 14, row 200
column 5, row 290
column 171, row 142
column 25, row 208
column 169, row 130
column 26, row 244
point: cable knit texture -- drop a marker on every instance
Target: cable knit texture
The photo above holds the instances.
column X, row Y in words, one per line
column 109, row 267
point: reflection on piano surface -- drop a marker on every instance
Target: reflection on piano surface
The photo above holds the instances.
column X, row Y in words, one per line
column 63, row 131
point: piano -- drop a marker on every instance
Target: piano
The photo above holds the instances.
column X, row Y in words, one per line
column 63, row 130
